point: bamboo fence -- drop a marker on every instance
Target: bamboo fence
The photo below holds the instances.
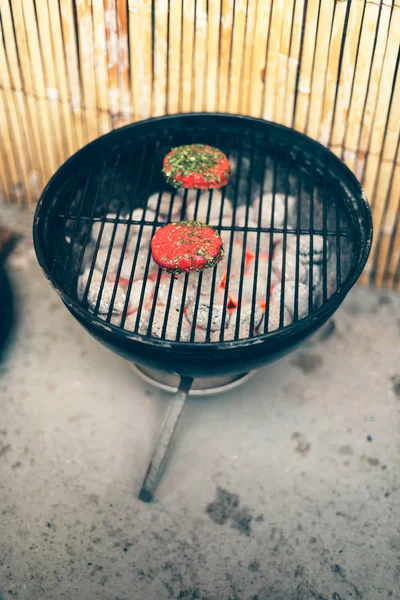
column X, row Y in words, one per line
column 71, row 70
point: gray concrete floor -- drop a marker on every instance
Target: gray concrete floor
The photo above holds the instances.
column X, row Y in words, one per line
column 285, row 489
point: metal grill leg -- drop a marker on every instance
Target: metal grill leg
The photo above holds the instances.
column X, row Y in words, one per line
column 156, row 466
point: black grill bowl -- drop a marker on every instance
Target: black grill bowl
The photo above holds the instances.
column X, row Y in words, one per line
column 117, row 173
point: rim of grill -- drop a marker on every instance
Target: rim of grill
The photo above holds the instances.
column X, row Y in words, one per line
column 321, row 162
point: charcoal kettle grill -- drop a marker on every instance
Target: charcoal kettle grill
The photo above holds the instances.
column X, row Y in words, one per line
column 104, row 184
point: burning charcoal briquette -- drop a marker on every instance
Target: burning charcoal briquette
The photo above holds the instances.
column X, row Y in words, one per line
column 113, row 264
column 136, row 294
column 203, row 204
column 203, row 313
column 289, row 299
column 106, row 295
column 279, row 209
column 240, row 217
column 107, row 233
column 291, row 265
column 177, row 291
column 274, row 316
column 317, row 250
column 167, row 206
column 247, row 288
column 245, row 318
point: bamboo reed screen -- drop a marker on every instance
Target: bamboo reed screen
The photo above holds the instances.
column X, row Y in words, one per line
column 71, row 70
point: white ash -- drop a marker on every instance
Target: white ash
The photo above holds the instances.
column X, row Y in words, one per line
column 167, row 204
column 140, row 266
column 207, row 278
column 106, row 236
column 274, row 317
column 106, row 295
column 289, row 299
column 279, row 209
column 238, row 258
column 226, row 221
column 203, row 313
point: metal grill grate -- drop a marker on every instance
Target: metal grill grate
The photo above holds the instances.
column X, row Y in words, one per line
column 290, row 233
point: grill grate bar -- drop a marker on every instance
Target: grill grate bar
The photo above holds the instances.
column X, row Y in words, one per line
column 311, row 264
column 284, row 244
column 125, row 241
column 297, row 274
column 338, row 249
column 237, row 228
column 97, row 245
column 271, row 246
column 325, row 247
column 231, row 240
column 243, row 260
column 130, row 282
column 139, row 239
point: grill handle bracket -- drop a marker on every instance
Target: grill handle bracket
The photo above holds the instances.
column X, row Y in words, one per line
column 157, row 463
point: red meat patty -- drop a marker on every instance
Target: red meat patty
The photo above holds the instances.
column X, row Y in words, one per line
column 196, row 167
column 186, row 246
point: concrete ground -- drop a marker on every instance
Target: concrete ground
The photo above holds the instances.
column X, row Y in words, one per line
column 285, row 489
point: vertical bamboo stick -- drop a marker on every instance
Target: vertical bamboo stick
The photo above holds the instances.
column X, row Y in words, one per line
column 47, row 124
column 214, row 11
column 33, row 154
column 37, row 141
column 393, row 263
column 332, row 72
column 49, row 71
column 294, row 57
column 274, row 41
column 320, row 64
column 87, row 70
column 225, row 53
column 259, row 57
column 239, row 28
column 101, row 65
column 200, row 46
column 71, row 57
column 174, row 55
column 346, row 76
column 187, row 54
column 383, row 103
column 61, row 73
column 388, row 228
column 248, row 56
column 283, row 60
column 140, row 33
column 304, row 87
column 360, row 86
column 386, row 166
column 10, row 109
column 123, row 62
column 110, row 17
column 160, row 57
column 6, row 142
column 384, row 41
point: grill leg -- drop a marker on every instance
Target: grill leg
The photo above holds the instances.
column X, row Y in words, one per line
column 156, row 466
